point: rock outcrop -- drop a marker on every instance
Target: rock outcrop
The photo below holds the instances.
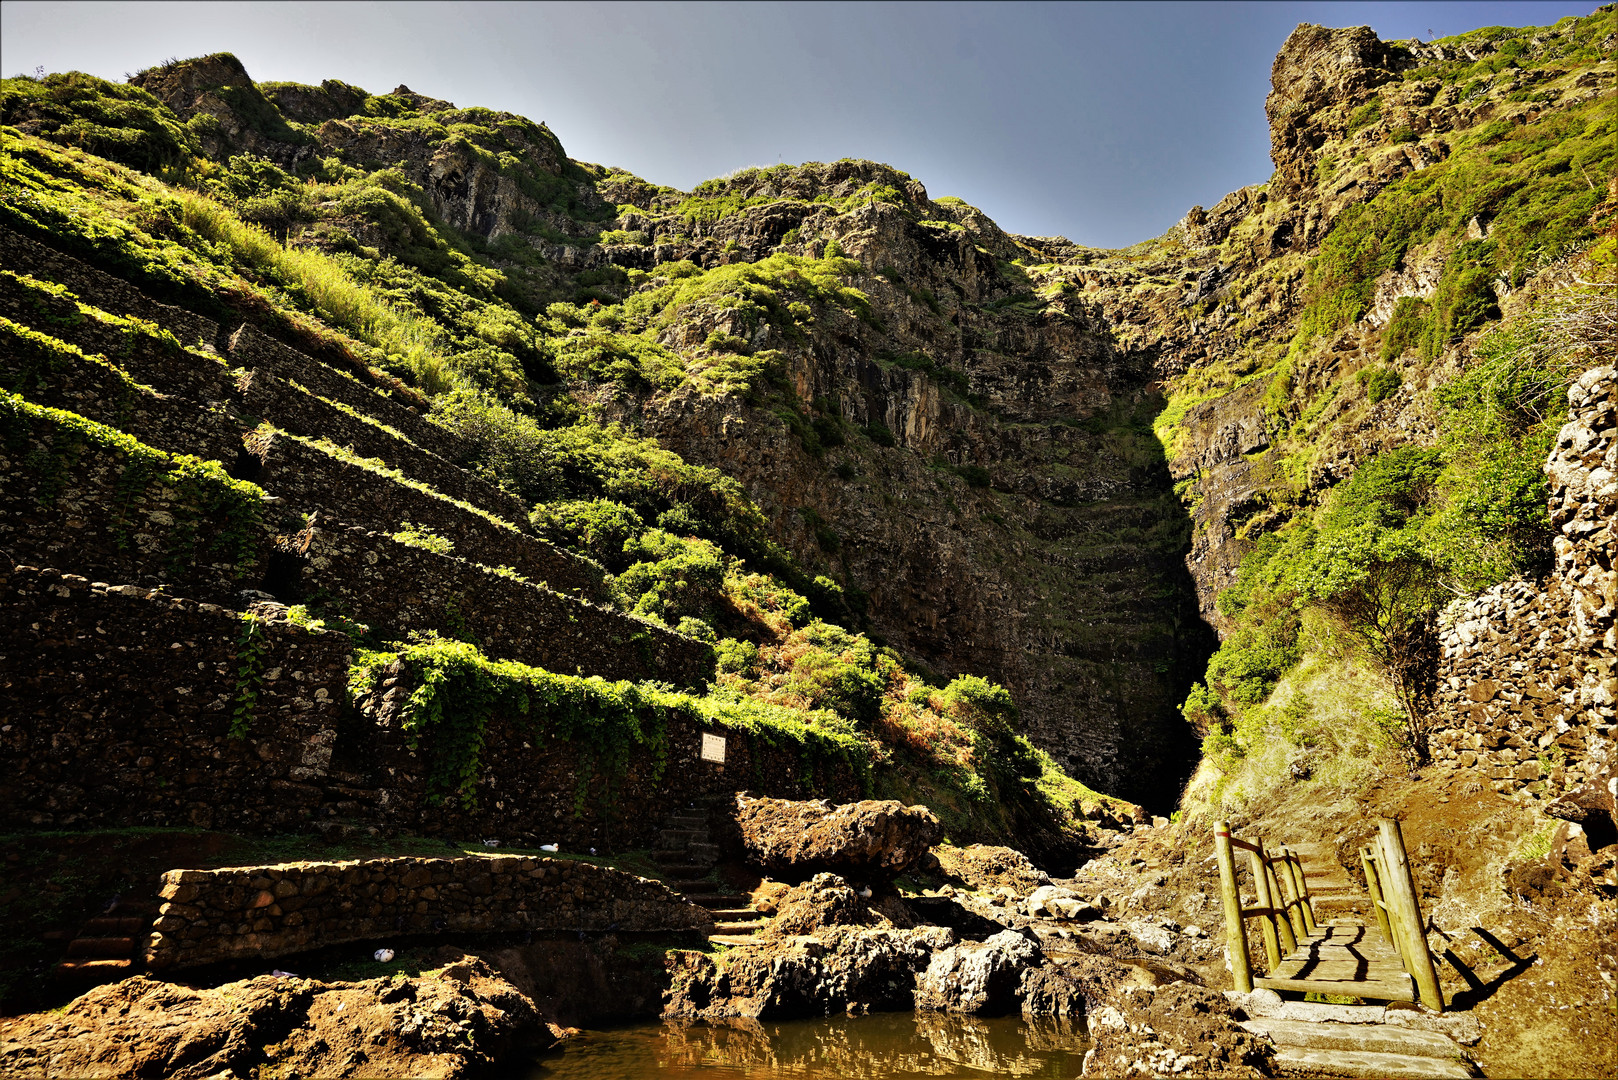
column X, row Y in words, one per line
column 453, row 1022
column 981, row 977
column 983, row 867
column 864, row 841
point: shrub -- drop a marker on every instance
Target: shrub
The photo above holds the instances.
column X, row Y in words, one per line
column 1405, row 328
column 1379, row 383
column 600, row 528
column 422, row 537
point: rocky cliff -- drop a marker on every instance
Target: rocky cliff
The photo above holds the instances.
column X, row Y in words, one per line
column 1005, row 456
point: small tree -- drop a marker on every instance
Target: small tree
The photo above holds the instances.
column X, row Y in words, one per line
column 1369, row 568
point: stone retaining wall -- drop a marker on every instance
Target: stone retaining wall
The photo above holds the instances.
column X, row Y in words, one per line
column 251, row 348
column 380, row 581
column 175, row 425
column 265, row 911
column 308, row 478
column 147, row 741
column 1528, row 673
column 67, row 502
column 117, row 703
column 157, row 362
column 24, row 255
column 266, row 396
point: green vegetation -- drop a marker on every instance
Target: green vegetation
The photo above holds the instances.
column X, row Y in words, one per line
column 458, row 691
column 1528, row 183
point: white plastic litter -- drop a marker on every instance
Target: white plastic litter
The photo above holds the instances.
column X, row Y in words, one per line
column 383, row 955
column 548, row 847
column 279, row 974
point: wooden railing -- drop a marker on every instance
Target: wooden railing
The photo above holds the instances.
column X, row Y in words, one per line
column 1286, row 912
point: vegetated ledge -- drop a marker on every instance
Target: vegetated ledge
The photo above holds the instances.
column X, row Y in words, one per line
column 266, row 911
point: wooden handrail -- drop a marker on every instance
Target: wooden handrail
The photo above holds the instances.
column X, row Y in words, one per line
column 1285, row 907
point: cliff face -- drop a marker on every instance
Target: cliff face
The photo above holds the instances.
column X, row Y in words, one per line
column 1014, row 456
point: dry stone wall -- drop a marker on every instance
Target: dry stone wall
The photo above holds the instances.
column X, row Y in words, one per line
column 380, row 581
column 251, row 348
column 147, row 740
column 117, row 703
column 265, row 911
column 24, row 255
column 1528, row 673
column 74, row 504
column 96, row 391
column 309, row 478
column 270, row 397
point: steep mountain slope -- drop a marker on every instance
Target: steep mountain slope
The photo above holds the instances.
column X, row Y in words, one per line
column 952, row 426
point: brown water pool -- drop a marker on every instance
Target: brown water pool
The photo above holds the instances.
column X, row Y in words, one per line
column 886, row 1046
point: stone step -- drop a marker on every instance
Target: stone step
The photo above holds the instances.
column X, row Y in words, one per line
column 1371, row 1038
column 687, row 871
column 693, row 886
column 703, row 853
column 736, row 915
column 96, row 968
column 101, row 946
column 736, row 927
column 732, row 939
column 678, row 838
column 115, row 926
column 1361, row 1063
column 692, row 820
column 716, row 901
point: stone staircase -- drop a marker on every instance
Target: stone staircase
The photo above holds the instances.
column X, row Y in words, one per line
column 108, row 946
column 1397, row 1041
column 687, row 856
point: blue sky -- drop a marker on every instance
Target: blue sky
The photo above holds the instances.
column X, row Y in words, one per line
column 1098, row 121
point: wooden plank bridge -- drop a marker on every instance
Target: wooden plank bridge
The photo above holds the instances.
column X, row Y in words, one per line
column 1388, row 963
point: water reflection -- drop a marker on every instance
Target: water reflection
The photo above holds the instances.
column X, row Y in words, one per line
column 881, row 1047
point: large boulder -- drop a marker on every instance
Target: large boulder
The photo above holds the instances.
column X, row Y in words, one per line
column 865, row 841
column 842, row 969
column 453, row 1022
column 827, row 900
column 984, row 867
column 981, row 977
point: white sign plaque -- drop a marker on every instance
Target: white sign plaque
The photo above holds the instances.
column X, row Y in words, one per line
column 713, row 749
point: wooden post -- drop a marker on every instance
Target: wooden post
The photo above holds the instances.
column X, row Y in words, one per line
column 1400, row 888
column 1374, row 888
column 1294, row 917
column 1306, row 905
column 1241, row 968
column 1261, row 882
column 1283, row 924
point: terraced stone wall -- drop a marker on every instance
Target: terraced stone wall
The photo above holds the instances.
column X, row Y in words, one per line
column 109, row 293
column 147, row 741
column 265, row 911
column 306, row 477
column 81, row 504
column 1528, row 673
column 117, row 704
column 386, row 583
